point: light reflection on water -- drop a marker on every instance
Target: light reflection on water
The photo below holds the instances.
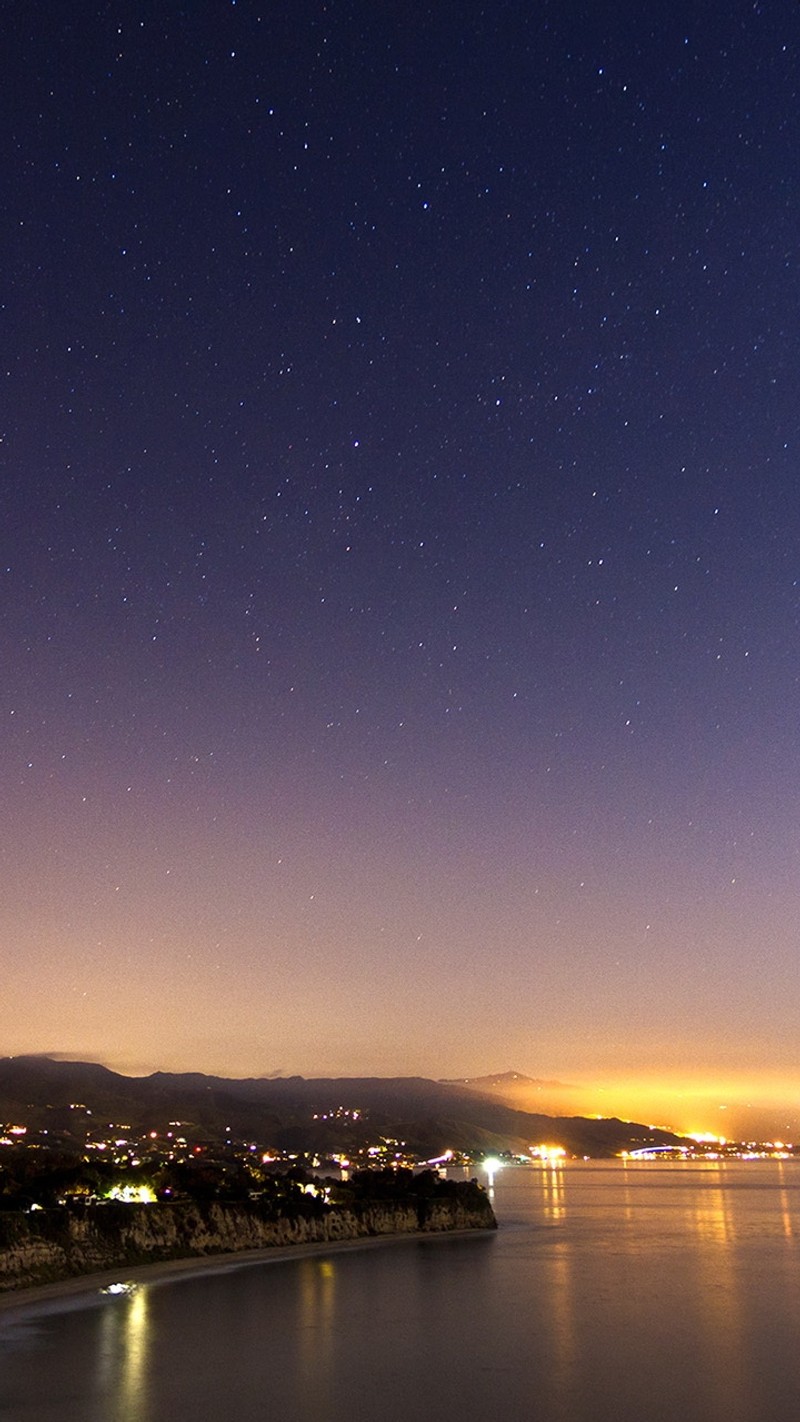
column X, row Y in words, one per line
column 316, row 1340
column 657, row 1290
column 786, row 1214
column 122, row 1355
column 552, row 1177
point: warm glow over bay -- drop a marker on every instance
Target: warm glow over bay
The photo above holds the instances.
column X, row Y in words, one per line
column 734, row 1108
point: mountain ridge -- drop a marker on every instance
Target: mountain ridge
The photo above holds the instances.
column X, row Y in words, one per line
column 304, row 1113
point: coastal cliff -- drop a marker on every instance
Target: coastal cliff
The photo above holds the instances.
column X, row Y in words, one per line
column 48, row 1246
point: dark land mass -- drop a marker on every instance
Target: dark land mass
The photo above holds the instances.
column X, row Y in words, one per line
column 78, row 1239
column 296, row 1113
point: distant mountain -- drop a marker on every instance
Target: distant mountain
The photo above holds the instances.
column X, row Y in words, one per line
column 527, row 1093
column 501, row 1078
column 429, row 1116
column 508, row 1081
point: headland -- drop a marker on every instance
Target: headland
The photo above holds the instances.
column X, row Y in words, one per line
column 53, row 1246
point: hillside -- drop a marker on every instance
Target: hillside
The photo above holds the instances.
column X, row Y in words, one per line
column 316, row 1114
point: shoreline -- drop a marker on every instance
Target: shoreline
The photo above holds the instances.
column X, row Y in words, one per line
column 33, row 1298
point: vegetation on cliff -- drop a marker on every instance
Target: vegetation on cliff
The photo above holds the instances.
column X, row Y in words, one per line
column 66, row 1241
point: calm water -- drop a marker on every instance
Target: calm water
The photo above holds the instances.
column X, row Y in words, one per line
column 647, row 1292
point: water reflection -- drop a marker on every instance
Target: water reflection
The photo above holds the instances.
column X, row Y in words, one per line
column 315, row 1342
column 626, row 1189
column 719, row 1319
column 559, row 1282
column 552, row 1181
column 655, row 1290
column 712, row 1216
column 786, row 1213
column 611, row 1293
column 123, row 1354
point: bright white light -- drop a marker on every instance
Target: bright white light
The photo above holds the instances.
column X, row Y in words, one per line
column 550, row 1153
column 132, row 1194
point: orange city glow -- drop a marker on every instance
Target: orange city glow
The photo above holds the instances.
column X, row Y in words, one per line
column 707, row 1108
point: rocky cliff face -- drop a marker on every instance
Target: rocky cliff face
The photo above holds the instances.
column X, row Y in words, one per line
column 51, row 1245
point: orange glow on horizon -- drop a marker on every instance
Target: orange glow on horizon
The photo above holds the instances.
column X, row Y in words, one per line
column 711, row 1106
column 734, row 1106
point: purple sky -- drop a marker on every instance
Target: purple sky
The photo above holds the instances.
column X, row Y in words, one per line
column 400, row 541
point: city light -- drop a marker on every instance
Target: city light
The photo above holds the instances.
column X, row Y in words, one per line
column 550, row 1153
column 132, row 1194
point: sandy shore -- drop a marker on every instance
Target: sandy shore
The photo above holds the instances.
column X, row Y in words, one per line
column 42, row 1296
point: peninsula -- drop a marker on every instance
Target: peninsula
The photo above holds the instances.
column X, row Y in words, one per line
column 47, row 1246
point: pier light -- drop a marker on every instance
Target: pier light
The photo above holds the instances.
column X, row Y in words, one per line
column 491, row 1165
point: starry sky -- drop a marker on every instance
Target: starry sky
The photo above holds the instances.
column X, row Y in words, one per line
column 400, row 550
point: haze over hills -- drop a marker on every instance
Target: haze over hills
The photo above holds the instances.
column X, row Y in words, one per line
column 538, row 1095
column 527, row 1093
column 698, row 1108
column 300, row 1113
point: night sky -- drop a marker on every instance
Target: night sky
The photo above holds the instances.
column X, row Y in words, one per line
column 400, row 553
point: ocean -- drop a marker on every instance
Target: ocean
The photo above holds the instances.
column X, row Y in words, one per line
column 612, row 1292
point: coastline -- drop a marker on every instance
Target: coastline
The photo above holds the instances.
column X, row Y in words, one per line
column 37, row 1298
column 65, row 1245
